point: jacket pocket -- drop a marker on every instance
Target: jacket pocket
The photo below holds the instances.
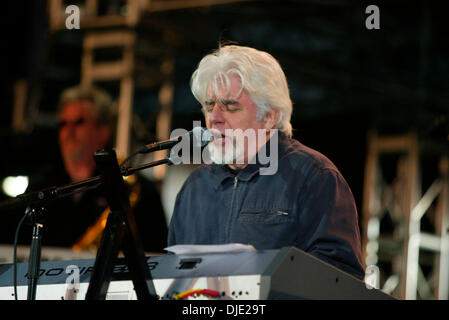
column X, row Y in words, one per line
column 266, row 228
column 268, row 216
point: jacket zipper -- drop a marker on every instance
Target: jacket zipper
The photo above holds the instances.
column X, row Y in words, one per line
column 230, row 222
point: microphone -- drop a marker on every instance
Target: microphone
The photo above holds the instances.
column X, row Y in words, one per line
column 199, row 137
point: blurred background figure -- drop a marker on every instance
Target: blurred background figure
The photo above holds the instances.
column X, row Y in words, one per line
column 86, row 120
column 86, row 124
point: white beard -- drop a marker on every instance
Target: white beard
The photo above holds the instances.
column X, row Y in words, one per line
column 232, row 153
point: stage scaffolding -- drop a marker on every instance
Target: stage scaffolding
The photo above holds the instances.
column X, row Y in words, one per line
column 405, row 215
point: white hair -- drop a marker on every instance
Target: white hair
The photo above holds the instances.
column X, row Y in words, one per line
column 260, row 75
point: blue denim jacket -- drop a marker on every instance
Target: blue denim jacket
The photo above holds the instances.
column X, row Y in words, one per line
column 306, row 204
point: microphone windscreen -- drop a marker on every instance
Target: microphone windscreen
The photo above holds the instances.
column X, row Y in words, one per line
column 201, row 137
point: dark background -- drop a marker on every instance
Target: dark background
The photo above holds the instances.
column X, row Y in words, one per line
column 344, row 79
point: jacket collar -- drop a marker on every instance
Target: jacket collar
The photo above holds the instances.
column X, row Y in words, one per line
column 222, row 172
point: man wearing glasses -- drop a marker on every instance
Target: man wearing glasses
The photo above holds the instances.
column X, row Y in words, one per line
column 87, row 121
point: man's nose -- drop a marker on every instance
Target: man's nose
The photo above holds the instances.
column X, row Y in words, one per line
column 68, row 130
column 216, row 116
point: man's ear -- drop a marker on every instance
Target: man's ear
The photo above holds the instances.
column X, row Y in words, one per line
column 271, row 118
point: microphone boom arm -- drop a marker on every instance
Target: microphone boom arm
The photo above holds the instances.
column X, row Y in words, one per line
column 52, row 193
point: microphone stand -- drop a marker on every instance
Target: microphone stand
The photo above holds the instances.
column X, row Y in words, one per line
column 120, row 224
column 35, row 215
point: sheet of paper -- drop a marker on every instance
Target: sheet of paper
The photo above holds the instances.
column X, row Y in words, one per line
column 213, row 248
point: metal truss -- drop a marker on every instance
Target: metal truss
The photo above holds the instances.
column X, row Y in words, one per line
column 414, row 261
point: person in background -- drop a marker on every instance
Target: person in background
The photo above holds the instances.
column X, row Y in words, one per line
column 86, row 124
column 87, row 120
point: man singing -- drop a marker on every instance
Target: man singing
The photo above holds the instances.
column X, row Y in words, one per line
column 305, row 202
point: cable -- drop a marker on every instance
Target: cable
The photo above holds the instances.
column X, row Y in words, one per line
column 16, row 237
column 206, row 292
column 122, row 165
column 128, row 158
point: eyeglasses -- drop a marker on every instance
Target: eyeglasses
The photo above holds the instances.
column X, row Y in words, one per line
column 76, row 122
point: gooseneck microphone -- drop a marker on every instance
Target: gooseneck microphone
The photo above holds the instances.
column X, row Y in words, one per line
column 199, row 137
